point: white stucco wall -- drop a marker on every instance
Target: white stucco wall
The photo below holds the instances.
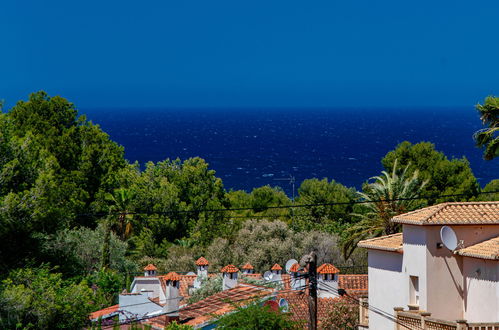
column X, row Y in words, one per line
column 446, row 275
column 148, row 284
column 414, row 264
column 385, row 279
column 481, row 302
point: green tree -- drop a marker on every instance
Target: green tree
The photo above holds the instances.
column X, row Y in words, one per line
column 488, row 138
column 391, row 194
column 254, row 316
column 490, row 187
column 330, row 218
column 343, row 315
column 53, row 165
column 444, row 176
column 38, row 299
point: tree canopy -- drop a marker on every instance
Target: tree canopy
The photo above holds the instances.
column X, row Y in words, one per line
column 488, row 138
column 444, row 176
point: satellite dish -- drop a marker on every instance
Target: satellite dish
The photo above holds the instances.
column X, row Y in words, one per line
column 268, row 276
column 448, row 237
column 284, row 305
column 190, row 273
column 289, row 264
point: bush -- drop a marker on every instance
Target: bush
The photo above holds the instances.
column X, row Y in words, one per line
column 255, row 316
column 35, row 298
column 343, row 315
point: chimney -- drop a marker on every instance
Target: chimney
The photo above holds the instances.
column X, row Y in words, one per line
column 298, row 281
column 229, row 275
column 171, row 307
column 150, row 270
column 248, row 269
column 202, row 272
column 276, row 272
column 327, row 281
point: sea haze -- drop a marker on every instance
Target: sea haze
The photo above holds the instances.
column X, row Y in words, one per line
column 249, row 148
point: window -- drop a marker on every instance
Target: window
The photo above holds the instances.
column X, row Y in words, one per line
column 414, row 290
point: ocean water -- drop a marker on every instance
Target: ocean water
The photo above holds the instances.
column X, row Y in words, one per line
column 249, row 148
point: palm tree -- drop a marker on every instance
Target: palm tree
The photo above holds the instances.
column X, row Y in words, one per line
column 488, row 138
column 119, row 216
column 391, row 194
column 120, row 211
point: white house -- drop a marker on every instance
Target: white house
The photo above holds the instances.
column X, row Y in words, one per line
column 414, row 270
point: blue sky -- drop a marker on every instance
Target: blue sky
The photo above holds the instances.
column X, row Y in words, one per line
column 250, row 53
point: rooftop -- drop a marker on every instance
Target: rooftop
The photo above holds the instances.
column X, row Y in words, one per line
column 202, row 262
column 229, row 269
column 150, row 267
column 488, row 249
column 386, row 243
column 247, row 266
column 458, row 213
column 171, row 276
column 327, row 269
column 276, row 267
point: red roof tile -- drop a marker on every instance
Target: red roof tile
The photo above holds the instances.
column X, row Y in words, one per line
column 488, row 249
column 276, row 267
column 247, row 266
column 298, row 306
column 354, row 284
column 327, row 269
column 457, row 213
column 294, row 268
column 221, row 303
column 202, row 262
column 229, row 269
column 391, row 243
column 150, row 267
column 105, row 311
column 172, row 276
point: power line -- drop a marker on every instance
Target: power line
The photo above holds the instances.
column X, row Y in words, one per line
column 172, row 212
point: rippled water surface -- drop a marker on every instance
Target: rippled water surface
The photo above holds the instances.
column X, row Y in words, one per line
column 252, row 147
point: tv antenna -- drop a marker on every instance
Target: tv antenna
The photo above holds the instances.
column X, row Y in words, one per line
column 291, row 181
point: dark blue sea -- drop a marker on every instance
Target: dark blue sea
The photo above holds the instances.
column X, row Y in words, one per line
column 249, row 148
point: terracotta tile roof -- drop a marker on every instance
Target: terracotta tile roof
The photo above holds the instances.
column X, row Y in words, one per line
column 276, row 267
column 186, row 282
column 105, row 311
column 202, row 262
column 488, row 249
column 247, row 266
column 354, row 284
column 298, row 307
column 171, row 276
column 294, row 268
column 327, row 269
column 458, row 213
column 256, row 276
column 386, row 243
column 150, row 267
column 221, row 303
column 229, row 269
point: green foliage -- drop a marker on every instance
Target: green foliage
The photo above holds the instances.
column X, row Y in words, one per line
column 330, row 218
column 343, row 315
column 209, row 287
column 108, row 284
column 254, row 316
column 38, row 299
column 488, row 138
column 52, row 166
column 444, row 176
column 490, row 187
column 391, row 194
column 176, row 326
column 78, row 251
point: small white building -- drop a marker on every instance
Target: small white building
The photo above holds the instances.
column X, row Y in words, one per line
column 414, row 269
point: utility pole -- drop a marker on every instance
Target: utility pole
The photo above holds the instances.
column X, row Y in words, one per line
column 311, row 261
